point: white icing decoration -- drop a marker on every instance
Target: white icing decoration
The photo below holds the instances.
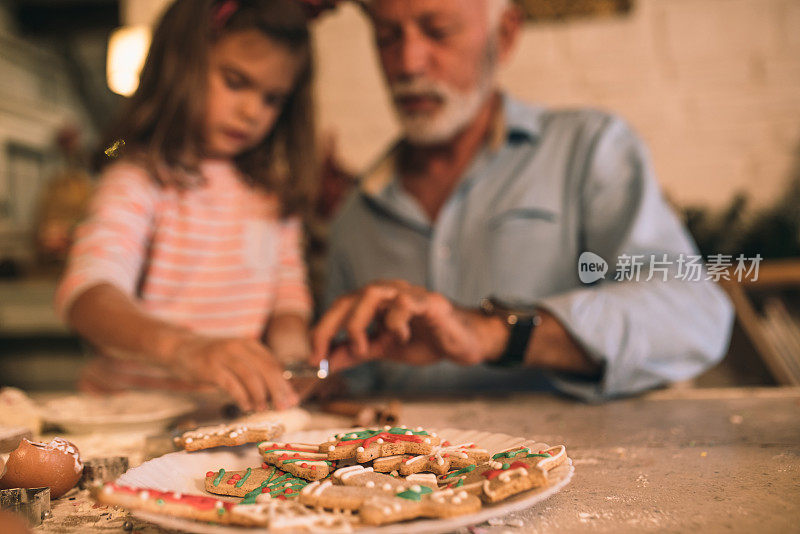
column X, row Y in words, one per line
column 419, row 429
column 409, row 433
column 218, row 504
column 456, row 500
column 462, row 494
column 188, row 440
column 370, row 484
column 360, row 449
column 346, row 472
column 379, row 440
column 415, row 488
column 387, row 427
column 144, row 495
column 331, row 448
column 427, row 440
column 387, row 487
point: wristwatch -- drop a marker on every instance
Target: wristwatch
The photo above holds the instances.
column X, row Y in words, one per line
column 521, row 322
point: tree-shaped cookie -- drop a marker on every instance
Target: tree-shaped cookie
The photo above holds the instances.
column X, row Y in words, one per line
column 301, row 459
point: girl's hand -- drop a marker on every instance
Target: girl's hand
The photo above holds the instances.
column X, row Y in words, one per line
column 242, row 367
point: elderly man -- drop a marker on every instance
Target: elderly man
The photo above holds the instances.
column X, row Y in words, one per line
column 455, row 265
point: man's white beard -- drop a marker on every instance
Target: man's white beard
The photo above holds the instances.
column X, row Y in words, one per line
column 456, row 111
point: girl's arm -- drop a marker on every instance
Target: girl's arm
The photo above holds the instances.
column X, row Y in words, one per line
column 96, row 298
column 287, row 333
column 108, row 318
column 287, row 337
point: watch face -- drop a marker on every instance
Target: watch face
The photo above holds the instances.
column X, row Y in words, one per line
column 511, row 308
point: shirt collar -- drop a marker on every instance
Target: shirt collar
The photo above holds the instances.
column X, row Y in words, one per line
column 515, row 120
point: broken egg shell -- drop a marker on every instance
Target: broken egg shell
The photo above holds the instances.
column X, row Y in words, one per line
column 55, row 464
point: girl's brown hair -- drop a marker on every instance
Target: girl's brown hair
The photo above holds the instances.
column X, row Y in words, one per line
column 161, row 125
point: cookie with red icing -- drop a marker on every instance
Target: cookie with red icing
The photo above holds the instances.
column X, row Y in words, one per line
column 261, row 511
column 367, row 444
column 173, row 504
column 301, row 459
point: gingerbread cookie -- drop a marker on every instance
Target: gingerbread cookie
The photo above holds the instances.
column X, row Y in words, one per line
column 325, row 494
column 547, row 459
column 509, row 473
column 366, row 477
column 239, row 483
column 418, row 501
column 301, row 459
column 423, row 479
column 263, row 512
column 172, row 504
column 293, row 517
column 444, row 458
column 228, row 435
column 280, row 486
column 366, row 445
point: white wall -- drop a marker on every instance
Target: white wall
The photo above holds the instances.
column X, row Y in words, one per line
column 712, row 85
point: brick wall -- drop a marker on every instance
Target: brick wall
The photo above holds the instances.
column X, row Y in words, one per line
column 712, row 85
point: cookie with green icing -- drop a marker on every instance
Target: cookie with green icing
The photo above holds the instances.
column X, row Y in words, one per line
column 238, row 483
column 301, row 459
column 368, row 444
column 507, row 473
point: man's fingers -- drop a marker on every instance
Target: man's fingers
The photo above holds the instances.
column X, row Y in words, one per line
column 363, row 313
column 399, row 314
column 327, row 327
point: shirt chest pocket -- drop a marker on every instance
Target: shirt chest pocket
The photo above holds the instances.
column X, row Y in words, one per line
column 261, row 244
column 523, row 243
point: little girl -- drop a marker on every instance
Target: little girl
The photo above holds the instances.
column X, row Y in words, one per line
column 191, row 255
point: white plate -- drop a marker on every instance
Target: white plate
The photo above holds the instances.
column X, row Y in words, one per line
column 123, row 412
column 184, row 472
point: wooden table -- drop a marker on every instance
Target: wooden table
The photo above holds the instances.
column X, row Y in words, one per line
column 674, row 461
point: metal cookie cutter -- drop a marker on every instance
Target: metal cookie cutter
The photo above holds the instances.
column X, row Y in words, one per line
column 303, row 370
column 100, row 470
column 32, row 504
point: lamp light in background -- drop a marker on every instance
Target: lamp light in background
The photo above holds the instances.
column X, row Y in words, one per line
column 127, row 49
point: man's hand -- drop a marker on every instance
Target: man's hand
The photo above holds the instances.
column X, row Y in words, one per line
column 414, row 326
column 242, row 367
